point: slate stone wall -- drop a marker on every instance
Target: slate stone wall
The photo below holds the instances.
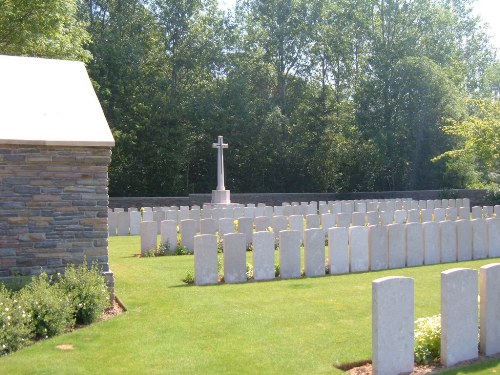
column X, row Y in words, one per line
column 53, row 208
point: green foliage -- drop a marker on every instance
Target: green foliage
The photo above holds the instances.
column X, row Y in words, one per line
column 50, row 309
column 87, row 291
column 249, row 271
column 189, row 278
column 277, row 270
column 493, row 196
column 43, row 28
column 478, row 133
column 427, row 339
column 15, row 322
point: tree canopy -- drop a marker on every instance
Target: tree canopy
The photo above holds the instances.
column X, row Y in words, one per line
column 311, row 95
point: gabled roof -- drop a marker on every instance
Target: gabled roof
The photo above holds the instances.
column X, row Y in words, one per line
column 49, row 102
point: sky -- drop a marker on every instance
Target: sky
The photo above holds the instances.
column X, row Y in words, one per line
column 488, row 10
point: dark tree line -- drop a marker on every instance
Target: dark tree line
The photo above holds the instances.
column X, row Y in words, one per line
column 311, row 95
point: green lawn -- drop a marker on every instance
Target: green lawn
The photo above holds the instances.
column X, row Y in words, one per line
column 302, row 326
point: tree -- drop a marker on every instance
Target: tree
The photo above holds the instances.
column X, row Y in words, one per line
column 43, row 28
column 479, row 139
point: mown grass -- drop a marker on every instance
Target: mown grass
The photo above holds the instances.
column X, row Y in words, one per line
column 301, row 326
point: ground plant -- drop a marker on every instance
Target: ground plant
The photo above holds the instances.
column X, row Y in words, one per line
column 87, row 291
column 428, row 339
column 51, row 305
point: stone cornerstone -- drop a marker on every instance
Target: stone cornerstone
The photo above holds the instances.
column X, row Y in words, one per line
column 55, row 148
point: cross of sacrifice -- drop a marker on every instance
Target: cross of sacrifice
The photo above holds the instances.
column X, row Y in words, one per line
column 220, row 145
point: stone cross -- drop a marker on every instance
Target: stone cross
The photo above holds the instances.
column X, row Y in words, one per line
column 220, row 145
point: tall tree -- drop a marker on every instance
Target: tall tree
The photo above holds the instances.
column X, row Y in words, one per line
column 43, row 28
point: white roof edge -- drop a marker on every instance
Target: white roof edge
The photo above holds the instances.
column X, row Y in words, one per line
column 37, row 142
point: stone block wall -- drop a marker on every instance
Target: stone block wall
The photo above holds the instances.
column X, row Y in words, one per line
column 53, row 208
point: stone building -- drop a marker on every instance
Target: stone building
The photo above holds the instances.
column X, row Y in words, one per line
column 55, row 148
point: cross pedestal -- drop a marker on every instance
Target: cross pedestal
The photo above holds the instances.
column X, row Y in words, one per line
column 220, row 195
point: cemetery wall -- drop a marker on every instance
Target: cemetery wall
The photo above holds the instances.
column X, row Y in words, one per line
column 274, row 199
column 53, row 208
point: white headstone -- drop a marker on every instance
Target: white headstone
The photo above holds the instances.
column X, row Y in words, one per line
column 489, row 279
column 169, row 234
column 263, row 256
column 112, row 222
column 459, row 315
column 426, row 215
column 249, row 212
column 392, row 325
column 358, row 246
column 413, row 216
column 289, row 254
column 479, row 239
column 123, row 223
column 448, row 241
column 313, row 221
column 377, row 239
column 148, row 237
column 358, row 219
column 296, row 223
column 439, row 214
column 400, row 216
column 314, row 252
column 464, row 240
column 205, row 259
column 235, row 270
column 493, row 225
column 208, row 226
column 245, row 226
column 414, row 244
column 373, row 217
column 171, row 215
column 338, row 250
column 466, row 202
column 135, row 223
column 279, row 223
column 188, row 231
column 343, row 220
column 226, row 225
column 464, row 213
column 396, row 244
column 451, row 213
column 431, row 240
column 477, row 212
column 327, row 222
column 386, row 217
column 262, row 223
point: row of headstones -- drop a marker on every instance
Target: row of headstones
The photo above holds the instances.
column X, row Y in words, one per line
column 122, row 224
column 125, row 223
column 393, row 318
column 354, row 249
column 305, row 208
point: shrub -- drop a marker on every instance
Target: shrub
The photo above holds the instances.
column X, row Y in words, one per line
column 249, row 271
column 277, row 270
column 189, row 278
column 181, row 250
column 427, row 339
column 15, row 323
column 50, row 309
column 163, row 249
column 87, row 291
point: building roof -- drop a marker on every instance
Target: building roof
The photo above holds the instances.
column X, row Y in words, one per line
column 49, row 102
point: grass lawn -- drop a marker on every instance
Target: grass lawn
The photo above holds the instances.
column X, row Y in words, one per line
column 301, row 326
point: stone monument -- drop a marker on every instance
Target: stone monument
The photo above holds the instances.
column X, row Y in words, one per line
column 220, row 196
